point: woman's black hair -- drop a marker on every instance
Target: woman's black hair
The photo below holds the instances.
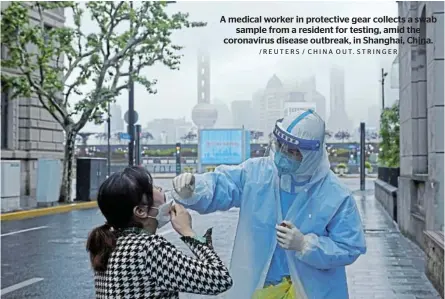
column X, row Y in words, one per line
column 117, row 197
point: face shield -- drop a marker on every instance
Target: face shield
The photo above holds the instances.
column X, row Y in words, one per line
column 297, row 145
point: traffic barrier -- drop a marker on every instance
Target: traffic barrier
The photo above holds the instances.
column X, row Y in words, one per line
column 38, row 212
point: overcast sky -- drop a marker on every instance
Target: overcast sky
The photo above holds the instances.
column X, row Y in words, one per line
column 238, row 71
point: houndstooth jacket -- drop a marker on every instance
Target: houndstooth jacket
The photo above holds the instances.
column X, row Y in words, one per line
column 148, row 266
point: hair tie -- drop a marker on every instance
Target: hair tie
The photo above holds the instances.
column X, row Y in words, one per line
column 108, row 226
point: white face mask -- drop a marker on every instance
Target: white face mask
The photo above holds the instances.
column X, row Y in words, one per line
column 163, row 217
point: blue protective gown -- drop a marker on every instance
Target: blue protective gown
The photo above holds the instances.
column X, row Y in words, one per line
column 326, row 213
column 278, row 266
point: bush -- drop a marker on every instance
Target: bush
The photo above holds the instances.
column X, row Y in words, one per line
column 368, row 165
column 389, row 155
column 341, row 166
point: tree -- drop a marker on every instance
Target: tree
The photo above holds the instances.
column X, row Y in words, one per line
column 342, row 135
column 255, row 135
column 146, row 136
column 66, row 60
column 389, row 155
column 102, row 136
column 189, row 137
column 328, row 134
column 84, row 140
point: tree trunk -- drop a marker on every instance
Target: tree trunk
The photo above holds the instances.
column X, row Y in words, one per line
column 65, row 189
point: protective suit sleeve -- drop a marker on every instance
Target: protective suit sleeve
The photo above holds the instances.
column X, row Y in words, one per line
column 217, row 191
column 344, row 244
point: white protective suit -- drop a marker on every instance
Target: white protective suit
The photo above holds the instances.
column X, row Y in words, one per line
column 322, row 209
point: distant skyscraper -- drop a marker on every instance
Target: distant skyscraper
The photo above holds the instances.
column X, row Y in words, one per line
column 338, row 119
column 337, row 90
column 241, row 114
column 168, row 130
column 292, row 107
column 309, row 86
column 373, row 119
column 117, row 122
column 224, row 119
column 271, row 104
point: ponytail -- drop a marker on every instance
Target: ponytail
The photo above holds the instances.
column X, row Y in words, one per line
column 100, row 244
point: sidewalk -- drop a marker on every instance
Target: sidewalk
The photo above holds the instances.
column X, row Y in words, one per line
column 393, row 266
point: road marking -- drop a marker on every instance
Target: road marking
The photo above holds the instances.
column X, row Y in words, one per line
column 23, row 231
column 20, row 285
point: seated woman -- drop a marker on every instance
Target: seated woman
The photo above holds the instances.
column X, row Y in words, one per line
column 131, row 261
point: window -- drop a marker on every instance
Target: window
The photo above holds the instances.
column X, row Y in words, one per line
column 5, row 117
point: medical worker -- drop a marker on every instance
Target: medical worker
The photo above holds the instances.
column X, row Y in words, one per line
column 298, row 225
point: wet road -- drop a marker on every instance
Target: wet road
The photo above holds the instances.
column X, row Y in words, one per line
column 45, row 257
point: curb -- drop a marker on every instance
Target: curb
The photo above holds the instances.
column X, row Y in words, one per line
column 47, row 211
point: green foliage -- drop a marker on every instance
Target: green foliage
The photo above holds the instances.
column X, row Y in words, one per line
column 390, row 133
column 368, row 165
column 341, row 166
column 169, row 152
column 55, row 63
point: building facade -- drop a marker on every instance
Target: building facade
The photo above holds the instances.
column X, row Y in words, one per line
column 28, row 131
column 421, row 78
column 292, row 107
column 420, row 194
column 168, row 130
column 269, row 104
column 309, row 86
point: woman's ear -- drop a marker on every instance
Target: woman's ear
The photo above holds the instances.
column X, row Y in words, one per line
column 140, row 212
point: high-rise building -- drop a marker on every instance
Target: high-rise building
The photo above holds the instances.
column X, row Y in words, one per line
column 309, row 86
column 337, row 90
column 338, row 118
column 373, row 119
column 224, row 119
column 117, row 121
column 271, row 104
column 292, row 107
column 168, row 130
column 241, row 114
column 275, row 100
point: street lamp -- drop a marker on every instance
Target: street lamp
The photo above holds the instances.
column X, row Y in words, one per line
column 384, row 74
column 108, row 140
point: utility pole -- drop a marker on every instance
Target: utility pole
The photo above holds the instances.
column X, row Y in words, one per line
column 131, row 106
column 362, row 157
column 383, row 88
column 108, row 141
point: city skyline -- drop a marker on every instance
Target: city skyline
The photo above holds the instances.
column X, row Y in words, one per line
column 237, row 72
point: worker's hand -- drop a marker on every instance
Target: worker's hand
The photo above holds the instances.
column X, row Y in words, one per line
column 184, row 185
column 289, row 237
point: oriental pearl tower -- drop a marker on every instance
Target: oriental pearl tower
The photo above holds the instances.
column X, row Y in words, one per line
column 204, row 114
